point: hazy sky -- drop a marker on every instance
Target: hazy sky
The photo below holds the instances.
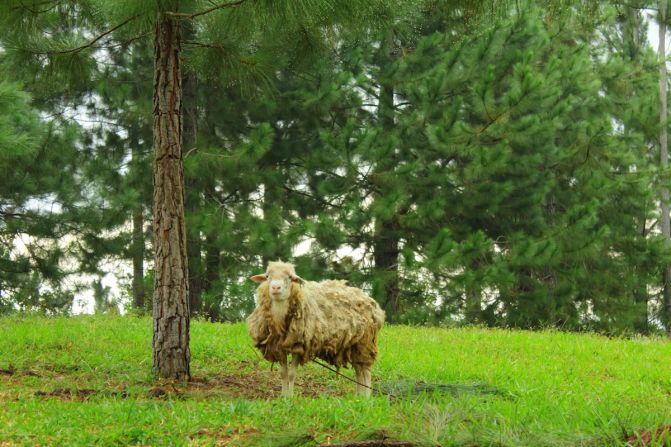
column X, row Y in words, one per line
column 653, row 32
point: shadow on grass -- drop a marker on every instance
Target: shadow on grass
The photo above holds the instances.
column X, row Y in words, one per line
column 408, row 389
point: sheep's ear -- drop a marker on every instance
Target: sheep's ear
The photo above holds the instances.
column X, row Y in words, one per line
column 298, row 279
column 259, row 278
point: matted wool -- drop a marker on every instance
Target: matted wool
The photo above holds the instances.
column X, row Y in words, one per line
column 328, row 320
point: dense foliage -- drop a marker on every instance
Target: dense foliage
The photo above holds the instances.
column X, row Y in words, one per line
column 461, row 167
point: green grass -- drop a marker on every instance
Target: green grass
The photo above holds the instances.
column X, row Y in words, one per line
column 87, row 381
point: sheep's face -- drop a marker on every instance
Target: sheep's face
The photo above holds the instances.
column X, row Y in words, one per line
column 279, row 276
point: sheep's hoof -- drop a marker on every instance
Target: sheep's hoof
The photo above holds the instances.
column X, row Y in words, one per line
column 286, row 393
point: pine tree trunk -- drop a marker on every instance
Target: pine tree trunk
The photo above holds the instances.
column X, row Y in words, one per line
column 386, row 244
column 212, row 252
column 171, row 304
column 386, row 252
column 138, row 258
column 473, row 310
column 212, row 262
column 641, row 318
column 193, row 196
column 266, row 257
column 271, row 198
column 664, row 155
column 640, row 292
column 194, row 250
column 641, row 297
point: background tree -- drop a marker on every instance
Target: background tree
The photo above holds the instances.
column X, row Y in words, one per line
column 38, row 160
column 627, row 69
column 664, row 150
column 503, row 200
column 444, row 161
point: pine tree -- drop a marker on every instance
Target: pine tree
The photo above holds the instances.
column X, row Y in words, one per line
column 301, row 23
column 511, row 177
column 378, row 152
column 94, row 153
column 122, row 140
column 21, row 135
column 39, row 162
column 631, row 87
column 381, row 153
column 227, row 47
column 664, row 152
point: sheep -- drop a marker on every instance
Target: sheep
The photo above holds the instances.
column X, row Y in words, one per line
column 327, row 320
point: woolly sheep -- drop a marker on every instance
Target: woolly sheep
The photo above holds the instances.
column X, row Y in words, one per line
column 327, row 320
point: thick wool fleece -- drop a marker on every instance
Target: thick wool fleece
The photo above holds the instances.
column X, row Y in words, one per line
column 328, row 320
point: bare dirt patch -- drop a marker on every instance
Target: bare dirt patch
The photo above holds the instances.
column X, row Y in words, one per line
column 79, row 394
column 373, row 443
column 251, row 385
column 68, row 393
column 648, row 437
column 224, row 435
column 11, row 371
column 244, row 380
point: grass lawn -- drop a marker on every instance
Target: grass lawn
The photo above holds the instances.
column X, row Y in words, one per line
column 87, row 381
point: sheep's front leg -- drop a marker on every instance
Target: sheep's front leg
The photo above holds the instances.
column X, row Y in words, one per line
column 291, row 375
column 288, row 373
column 284, row 373
column 363, row 378
column 368, row 381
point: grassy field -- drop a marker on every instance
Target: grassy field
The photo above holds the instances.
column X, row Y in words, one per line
column 87, row 381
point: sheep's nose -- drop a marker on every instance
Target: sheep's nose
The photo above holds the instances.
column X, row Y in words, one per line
column 276, row 288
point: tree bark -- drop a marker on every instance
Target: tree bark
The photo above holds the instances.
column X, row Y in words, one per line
column 386, row 244
column 193, row 193
column 272, row 197
column 664, row 155
column 641, row 297
column 386, row 252
column 473, row 305
column 632, row 43
column 212, row 262
column 138, row 258
column 212, row 251
column 171, row 304
column 194, row 251
column 269, row 255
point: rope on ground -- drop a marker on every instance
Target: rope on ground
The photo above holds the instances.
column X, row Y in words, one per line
column 377, row 390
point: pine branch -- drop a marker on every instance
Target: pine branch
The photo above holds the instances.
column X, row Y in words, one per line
column 125, row 42
column 91, row 44
column 11, row 214
column 32, row 8
column 217, row 47
column 96, row 39
column 206, row 11
column 313, row 197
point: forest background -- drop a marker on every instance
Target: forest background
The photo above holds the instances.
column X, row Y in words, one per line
column 501, row 169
